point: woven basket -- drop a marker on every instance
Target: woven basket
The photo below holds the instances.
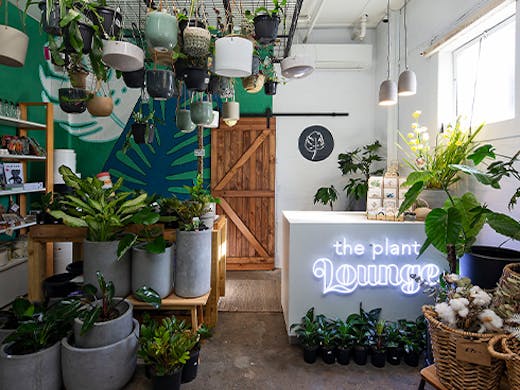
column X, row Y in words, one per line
column 453, row 373
column 510, row 346
column 196, row 41
column 507, row 297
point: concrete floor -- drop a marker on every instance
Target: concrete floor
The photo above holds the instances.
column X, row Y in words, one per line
column 251, row 351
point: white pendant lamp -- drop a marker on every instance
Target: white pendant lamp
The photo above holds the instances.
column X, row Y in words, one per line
column 407, row 85
column 297, row 67
column 388, row 89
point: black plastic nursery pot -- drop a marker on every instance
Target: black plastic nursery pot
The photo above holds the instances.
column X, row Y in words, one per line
column 213, row 84
column 59, row 285
column 86, row 32
column 378, row 358
column 270, row 88
column 160, row 84
column 328, row 355
column 168, row 382
column 134, row 79
column 393, row 356
column 310, row 354
column 266, row 28
column 50, row 24
column 75, row 268
column 411, row 358
column 196, row 79
column 360, row 355
column 109, row 21
column 343, row 355
column 484, row 264
column 73, row 100
column 190, row 369
column 139, row 133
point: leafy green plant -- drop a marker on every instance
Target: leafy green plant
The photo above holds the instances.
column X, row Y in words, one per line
column 361, row 323
column 277, row 9
column 200, row 194
column 105, row 212
column 326, row 331
column 307, row 330
column 344, row 336
column 413, row 334
column 378, row 335
column 326, row 196
column 393, row 335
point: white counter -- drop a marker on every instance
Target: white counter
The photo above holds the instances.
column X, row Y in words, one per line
column 332, row 261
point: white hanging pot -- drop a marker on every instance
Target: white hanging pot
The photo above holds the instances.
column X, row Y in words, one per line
column 233, row 57
column 215, row 121
column 230, row 113
column 13, row 46
column 123, row 56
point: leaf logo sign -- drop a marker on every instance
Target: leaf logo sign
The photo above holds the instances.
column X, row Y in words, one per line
column 316, row 143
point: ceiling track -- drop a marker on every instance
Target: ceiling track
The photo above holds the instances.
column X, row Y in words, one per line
column 292, row 29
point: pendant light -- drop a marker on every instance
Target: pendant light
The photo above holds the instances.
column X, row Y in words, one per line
column 297, row 66
column 407, row 84
column 388, row 89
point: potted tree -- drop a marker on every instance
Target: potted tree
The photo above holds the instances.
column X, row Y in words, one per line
column 307, row 333
column 377, row 341
column 344, row 340
column 326, row 196
column 104, row 212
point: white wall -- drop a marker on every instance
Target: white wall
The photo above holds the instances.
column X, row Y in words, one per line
column 297, row 179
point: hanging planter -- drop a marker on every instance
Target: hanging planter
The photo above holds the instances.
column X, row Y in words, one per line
column 266, row 28
column 196, row 41
column 230, row 113
column 86, row 33
column 50, row 22
column 73, row 100
column 100, row 105
column 109, row 21
column 78, row 78
column 183, row 120
column 254, row 83
column 214, row 82
column 160, row 84
column 134, row 79
column 270, row 87
column 202, row 111
column 123, row 56
column 226, row 88
column 143, row 133
column 215, row 121
column 161, row 30
column 196, row 79
column 13, row 46
column 233, row 57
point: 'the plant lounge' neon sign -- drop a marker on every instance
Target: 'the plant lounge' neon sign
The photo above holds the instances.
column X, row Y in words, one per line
column 346, row 278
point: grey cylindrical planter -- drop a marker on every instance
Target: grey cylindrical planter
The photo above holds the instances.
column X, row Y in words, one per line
column 102, row 256
column 4, row 333
column 192, row 263
column 154, row 270
column 106, row 332
column 104, row 368
column 39, row 370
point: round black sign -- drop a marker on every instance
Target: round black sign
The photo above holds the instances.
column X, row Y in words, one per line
column 316, row 143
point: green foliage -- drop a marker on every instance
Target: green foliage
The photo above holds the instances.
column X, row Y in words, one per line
column 361, row 323
column 326, row 331
column 413, row 334
column 148, row 295
column 307, row 330
column 277, row 9
column 344, row 336
column 150, row 237
column 105, row 212
column 326, row 196
column 378, row 334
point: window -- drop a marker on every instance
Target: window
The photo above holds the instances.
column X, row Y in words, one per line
column 484, row 75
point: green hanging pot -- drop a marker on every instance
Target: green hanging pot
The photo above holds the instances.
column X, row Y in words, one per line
column 183, row 121
column 201, row 113
column 161, row 30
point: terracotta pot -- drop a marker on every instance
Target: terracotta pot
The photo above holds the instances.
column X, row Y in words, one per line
column 100, row 106
column 78, row 79
column 13, row 46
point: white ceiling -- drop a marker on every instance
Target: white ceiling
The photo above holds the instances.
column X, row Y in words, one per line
column 340, row 13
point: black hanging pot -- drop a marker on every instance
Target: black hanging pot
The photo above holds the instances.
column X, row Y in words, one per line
column 343, row 355
column 266, row 28
column 360, row 354
column 134, row 79
column 108, row 20
column 393, row 355
column 50, row 24
column 196, row 79
column 139, row 133
column 180, row 68
column 378, row 358
column 59, row 285
column 86, row 33
column 213, row 85
column 310, row 354
column 168, row 382
column 160, row 84
column 270, row 88
column 411, row 358
column 73, row 100
column 328, row 355
column 484, row 264
column 189, row 370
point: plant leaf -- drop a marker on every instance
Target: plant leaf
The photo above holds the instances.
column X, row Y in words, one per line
column 504, row 224
column 125, row 244
column 158, row 245
column 484, row 151
column 411, row 196
column 443, row 227
column 148, row 295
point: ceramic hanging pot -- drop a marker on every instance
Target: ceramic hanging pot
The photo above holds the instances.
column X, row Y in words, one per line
column 230, row 113
column 266, row 28
column 160, row 84
column 123, row 56
column 183, row 120
column 161, row 30
column 196, row 79
column 86, row 33
column 100, row 106
column 50, row 22
column 13, row 46
column 233, row 57
column 134, row 79
column 201, row 112
column 73, row 100
column 108, row 21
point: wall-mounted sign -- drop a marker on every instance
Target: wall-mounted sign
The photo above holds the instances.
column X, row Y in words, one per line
column 316, row 143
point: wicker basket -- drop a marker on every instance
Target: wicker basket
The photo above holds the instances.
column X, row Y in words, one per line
column 196, row 41
column 510, row 346
column 507, row 297
column 453, row 373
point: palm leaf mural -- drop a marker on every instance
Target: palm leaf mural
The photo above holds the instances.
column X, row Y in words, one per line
column 164, row 166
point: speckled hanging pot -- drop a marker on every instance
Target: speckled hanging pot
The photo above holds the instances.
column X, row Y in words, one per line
column 226, row 89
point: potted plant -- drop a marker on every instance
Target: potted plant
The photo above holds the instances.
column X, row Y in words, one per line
column 344, row 340
column 413, row 338
column 160, row 83
column 266, row 21
column 196, row 38
column 327, row 338
column 143, row 128
column 190, row 369
column 203, row 196
column 361, row 323
column 307, row 333
column 377, row 341
column 393, row 343
column 326, row 196
column 21, row 309
column 35, row 344
column 161, row 30
column 73, row 100
column 201, row 110
column 104, row 212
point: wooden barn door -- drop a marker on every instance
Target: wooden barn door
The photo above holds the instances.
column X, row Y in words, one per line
column 242, row 176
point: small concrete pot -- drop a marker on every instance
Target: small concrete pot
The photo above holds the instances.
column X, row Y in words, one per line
column 106, row 332
column 154, row 270
column 104, row 368
column 39, row 370
column 183, row 121
column 230, row 111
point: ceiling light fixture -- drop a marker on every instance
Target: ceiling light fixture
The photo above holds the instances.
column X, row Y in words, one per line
column 297, row 66
column 388, row 89
column 407, row 84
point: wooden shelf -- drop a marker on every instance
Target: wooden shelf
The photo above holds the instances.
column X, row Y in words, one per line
column 18, row 227
column 21, row 157
column 20, row 123
column 13, row 263
column 19, row 191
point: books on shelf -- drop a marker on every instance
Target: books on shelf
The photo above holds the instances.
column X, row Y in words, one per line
column 13, row 173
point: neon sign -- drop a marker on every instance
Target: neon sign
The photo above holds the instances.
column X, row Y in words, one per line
column 346, row 278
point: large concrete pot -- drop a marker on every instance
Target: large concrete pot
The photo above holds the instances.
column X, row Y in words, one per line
column 192, row 263
column 106, row 332
column 39, row 370
column 154, row 270
column 104, row 368
column 102, row 256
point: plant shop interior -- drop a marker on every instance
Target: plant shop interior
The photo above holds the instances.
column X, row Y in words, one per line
column 259, row 194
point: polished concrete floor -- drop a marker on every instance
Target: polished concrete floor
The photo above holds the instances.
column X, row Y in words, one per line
column 251, row 351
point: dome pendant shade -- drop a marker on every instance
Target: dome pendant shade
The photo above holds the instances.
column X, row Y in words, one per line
column 407, row 85
column 297, row 67
column 387, row 93
column 233, row 57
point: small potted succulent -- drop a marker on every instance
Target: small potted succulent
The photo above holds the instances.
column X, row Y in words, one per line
column 307, row 334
